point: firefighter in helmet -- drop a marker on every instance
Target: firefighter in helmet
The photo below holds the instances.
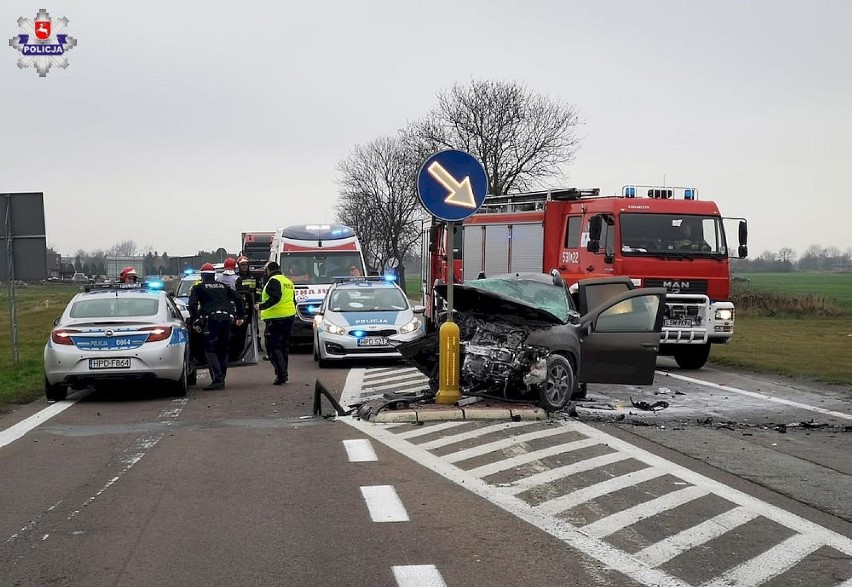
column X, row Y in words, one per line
column 128, row 275
column 229, row 273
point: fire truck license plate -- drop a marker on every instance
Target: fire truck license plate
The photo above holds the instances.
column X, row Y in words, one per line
column 677, row 323
column 373, row 341
column 109, row 363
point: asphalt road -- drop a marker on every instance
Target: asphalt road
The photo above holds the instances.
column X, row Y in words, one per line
column 243, row 486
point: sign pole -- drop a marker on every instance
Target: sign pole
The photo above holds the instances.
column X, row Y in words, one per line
column 10, row 274
column 449, row 390
column 452, row 185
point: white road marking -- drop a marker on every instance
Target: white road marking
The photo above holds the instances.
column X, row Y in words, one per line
column 352, row 387
column 531, row 457
column 769, row 564
column 391, row 381
column 668, row 548
column 757, row 395
column 360, row 450
column 475, row 433
column 580, row 496
column 619, row 520
column 418, row 576
column 526, row 483
column 641, row 567
column 484, row 449
column 429, row 429
column 13, row 433
column 384, row 504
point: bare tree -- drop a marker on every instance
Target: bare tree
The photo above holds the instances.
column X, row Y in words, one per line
column 126, row 248
column 787, row 255
column 521, row 137
column 378, row 199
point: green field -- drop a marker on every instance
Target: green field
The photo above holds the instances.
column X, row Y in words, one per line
column 37, row 308
column 830, row 285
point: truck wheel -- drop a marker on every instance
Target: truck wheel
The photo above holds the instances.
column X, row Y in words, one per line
column 692, row 356
column 54, row 393
column 559, row 385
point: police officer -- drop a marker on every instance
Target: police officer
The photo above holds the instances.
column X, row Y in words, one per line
column 277, row 309
column 215, row 302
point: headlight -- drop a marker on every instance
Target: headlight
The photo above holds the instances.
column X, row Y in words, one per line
column 724, row 315
column 410, row 327
column 333, row 328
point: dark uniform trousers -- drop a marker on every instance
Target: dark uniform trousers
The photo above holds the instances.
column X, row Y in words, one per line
column 217, row 336
column 277, row 336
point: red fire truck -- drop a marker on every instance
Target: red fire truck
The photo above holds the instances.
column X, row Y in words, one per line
column 662, row 237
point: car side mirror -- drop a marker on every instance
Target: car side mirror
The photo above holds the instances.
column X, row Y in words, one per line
column 56, row 322
column 419, row 309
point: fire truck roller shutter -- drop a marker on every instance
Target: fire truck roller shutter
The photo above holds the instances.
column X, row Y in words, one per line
column 527, row 252
column 472, row 257
column 496, row 249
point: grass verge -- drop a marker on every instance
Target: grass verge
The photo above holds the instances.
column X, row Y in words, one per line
column 818, row 348
column 37, row 308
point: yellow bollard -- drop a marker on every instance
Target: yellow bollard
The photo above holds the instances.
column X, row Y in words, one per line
column 448, row 364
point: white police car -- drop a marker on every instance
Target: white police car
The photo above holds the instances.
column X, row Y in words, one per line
column 359, row 315
column 118, row 333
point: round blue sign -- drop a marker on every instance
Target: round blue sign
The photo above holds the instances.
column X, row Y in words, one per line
column 452, row 185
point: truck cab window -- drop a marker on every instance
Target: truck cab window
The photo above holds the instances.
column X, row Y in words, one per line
column 572, row 232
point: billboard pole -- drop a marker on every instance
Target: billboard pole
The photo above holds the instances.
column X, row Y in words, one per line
column 10, row 274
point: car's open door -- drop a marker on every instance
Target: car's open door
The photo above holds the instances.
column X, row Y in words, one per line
column 243, row 348
column 621, row 337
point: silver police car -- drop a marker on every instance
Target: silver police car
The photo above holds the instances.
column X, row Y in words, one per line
column 118, row 333
column 359, row 315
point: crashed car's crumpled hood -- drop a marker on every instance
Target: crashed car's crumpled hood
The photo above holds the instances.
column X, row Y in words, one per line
column 468, row 299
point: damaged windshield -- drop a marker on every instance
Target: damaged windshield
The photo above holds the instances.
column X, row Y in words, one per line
column 544, row 296
column 655, row 234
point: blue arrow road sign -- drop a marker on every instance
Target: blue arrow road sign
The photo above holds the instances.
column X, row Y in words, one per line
column 452, row 185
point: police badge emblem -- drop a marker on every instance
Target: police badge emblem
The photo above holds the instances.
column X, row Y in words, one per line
column 41, row 42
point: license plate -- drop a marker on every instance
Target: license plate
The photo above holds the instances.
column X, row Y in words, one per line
column 109, row 363
column 373, row 341
column 677, row 323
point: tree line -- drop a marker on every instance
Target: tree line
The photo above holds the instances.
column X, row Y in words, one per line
column 815, row 258
column 146, row 260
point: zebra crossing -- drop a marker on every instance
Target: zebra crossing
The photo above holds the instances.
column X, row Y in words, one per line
column 660, row 524
column 363, row 385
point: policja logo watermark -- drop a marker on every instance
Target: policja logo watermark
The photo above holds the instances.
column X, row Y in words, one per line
column 40, row 43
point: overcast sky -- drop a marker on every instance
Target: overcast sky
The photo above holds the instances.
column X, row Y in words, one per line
column 180, row 124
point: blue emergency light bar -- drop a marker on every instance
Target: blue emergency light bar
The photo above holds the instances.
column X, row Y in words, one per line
column 389, row 277
column 188, row 271
column 660, row 192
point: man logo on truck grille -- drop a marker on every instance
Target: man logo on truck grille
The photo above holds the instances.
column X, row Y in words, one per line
column 40, row 43
column 676, row 286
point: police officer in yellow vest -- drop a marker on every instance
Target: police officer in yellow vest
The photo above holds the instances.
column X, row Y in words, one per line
column 277, row 309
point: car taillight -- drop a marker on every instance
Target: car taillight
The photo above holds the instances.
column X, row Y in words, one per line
column 63, row 335
column 156, row 333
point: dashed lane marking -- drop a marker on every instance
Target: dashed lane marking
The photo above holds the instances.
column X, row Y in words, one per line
column 384, row 504
column 418, row 576
column 644, row 567
column 360, row 450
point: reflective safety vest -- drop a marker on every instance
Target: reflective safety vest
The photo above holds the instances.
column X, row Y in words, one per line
column 286, row 307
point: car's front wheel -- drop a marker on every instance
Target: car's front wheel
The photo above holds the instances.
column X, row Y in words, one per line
column 54, row 392
column 559, row 385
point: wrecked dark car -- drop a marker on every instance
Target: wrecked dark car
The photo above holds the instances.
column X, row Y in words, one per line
column 521, row 337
